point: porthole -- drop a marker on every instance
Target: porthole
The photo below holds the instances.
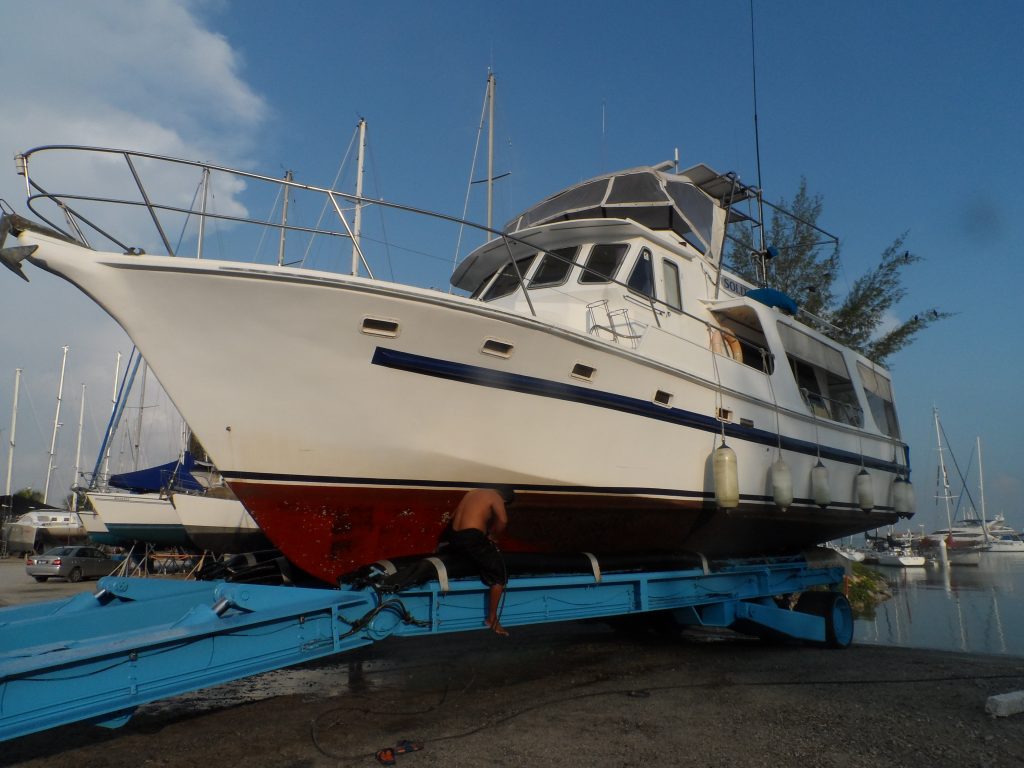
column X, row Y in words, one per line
column 581, row 371
column 661, row 397
column 497, row 348
column 379, row 326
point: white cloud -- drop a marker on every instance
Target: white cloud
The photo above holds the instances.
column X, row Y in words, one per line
column 149, row 75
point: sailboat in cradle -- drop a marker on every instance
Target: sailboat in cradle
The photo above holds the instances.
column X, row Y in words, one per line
column 182, row 503
column 636, row 395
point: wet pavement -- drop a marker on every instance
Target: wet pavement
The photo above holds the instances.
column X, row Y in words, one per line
column 17, row 587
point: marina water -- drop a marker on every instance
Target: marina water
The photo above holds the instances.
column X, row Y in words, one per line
column 972, row 609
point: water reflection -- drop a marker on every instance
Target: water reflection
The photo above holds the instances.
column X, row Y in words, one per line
column 974, row 609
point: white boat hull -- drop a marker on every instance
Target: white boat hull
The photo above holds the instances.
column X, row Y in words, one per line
column 218, row 525
column 37, row 531
column 348, row 446
column 900, row 560
column 142, row 517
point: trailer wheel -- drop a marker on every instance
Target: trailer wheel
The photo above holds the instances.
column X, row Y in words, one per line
column 835, row 609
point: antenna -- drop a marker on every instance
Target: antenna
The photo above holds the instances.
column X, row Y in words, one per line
column 757, row 148
column 604, row 135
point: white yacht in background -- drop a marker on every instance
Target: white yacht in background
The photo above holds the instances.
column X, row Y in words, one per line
column 40, row 529
column 636, row 395
column 1003, row 538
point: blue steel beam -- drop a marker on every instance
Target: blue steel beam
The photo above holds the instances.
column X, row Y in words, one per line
column 142, row 640
column 98, row 657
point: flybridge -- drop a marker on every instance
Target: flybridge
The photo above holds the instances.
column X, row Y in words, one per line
column 136, row 641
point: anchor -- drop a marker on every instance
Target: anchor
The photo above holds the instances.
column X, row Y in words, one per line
column 12, row 257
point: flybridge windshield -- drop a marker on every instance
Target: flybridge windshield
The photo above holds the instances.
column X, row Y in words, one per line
column 648, row 196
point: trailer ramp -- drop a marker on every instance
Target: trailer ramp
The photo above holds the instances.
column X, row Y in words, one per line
column 97, row 657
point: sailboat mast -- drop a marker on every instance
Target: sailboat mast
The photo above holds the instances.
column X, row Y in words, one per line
column 142, row 407
column 358, row 219
column 490, row 149
column 942, row 470
column 113, row 408
column 14, row 427
column 284, row 222
column 56, row 425
column 78, row 453
column 981, row 490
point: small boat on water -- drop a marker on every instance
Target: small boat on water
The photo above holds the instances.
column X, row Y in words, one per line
column 965, row 540
column 636, row 395
column 848, row 551
column 900, row 557
column 1003, row 538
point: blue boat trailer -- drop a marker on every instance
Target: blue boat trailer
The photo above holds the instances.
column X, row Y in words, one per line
column 98, row 656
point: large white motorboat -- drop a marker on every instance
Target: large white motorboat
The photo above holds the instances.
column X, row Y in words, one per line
column 1003, row 538
column 600, row 362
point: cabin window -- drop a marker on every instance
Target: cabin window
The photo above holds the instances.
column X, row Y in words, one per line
column 673, row 292
column 878, row 390
column 737, row 334
column 641, row 279
column 554, row 267
column 603, row 262
column 507, row 280
column 699, row 212
column 822, row 376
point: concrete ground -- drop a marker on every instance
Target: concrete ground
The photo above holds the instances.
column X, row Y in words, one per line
column 574, row 694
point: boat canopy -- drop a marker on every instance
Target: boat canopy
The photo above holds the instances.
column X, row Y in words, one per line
column 173, row 474
column 693, row 205
column 684, row 202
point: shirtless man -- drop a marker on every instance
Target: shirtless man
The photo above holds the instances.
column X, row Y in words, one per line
column 480, row 517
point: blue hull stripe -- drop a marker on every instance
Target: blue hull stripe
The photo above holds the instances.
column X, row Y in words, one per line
column 703, row 497
column 486, row 377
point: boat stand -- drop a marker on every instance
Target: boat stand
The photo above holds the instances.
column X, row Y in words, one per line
column 97, row 657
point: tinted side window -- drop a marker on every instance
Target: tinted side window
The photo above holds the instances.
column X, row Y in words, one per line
column 603, row 262
column 641, row 279
column 554, row 267
column 673, row 293
column 508, row 280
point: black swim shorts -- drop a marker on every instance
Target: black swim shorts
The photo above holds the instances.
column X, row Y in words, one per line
column 478, row 547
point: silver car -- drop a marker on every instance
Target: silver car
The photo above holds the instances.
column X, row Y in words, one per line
column 71, row 563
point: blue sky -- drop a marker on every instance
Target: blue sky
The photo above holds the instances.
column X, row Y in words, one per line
column 905, row 117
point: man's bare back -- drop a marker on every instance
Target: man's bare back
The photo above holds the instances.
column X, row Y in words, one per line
column 482, row 509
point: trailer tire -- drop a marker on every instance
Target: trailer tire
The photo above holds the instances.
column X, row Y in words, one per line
column 835, row 609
